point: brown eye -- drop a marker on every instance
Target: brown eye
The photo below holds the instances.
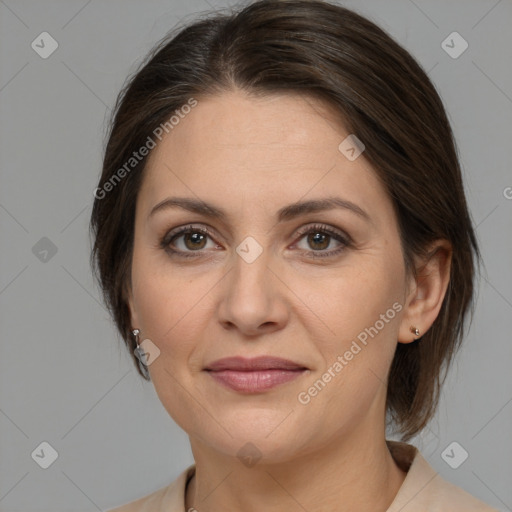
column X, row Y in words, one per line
column 194, row 240
column 318, row 241
column 319, row 237
column 186, row 241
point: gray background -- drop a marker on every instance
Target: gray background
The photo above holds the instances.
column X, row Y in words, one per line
column 64, row 376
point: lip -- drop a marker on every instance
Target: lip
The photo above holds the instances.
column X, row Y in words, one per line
column 243, row 364
column 254, row 375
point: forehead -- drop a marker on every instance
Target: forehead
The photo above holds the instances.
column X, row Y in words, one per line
column 264, row 150
column 238, row 123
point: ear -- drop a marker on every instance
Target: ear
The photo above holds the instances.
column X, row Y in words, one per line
column 128, row 296
column 427, row 289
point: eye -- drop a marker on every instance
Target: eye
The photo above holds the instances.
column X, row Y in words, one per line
column 319, row 237
column 187, row 239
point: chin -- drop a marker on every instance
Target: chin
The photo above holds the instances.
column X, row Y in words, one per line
column 270, row 436
column 251, row 450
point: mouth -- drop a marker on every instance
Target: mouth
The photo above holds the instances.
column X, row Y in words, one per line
column 254, row 375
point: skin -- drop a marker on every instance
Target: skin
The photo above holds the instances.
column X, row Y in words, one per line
column 252, row 156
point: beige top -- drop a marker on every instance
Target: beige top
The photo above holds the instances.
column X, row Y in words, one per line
column 423, row 490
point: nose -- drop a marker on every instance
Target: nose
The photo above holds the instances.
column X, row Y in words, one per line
column 253, row 299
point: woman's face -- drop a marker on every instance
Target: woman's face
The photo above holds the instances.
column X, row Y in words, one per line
column 325, row 289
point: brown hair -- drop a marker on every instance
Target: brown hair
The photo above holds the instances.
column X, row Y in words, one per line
column 381, row 94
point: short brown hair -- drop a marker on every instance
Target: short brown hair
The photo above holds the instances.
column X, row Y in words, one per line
column 381, row 94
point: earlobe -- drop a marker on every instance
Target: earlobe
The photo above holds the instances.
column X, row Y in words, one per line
column 427, row 291
column 415, row 331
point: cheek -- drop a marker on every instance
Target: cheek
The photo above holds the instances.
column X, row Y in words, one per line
column 174, row 309
column 167, row 309
column 362, row 308
column 358, row 299
column 163, row 295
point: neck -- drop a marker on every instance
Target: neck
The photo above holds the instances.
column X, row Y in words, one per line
column 350, row 473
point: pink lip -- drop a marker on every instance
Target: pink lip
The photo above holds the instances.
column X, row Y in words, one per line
column 254, row 375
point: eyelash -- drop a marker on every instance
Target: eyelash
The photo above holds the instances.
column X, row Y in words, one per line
column 316, row 228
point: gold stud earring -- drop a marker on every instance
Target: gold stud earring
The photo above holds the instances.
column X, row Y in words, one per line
column 415, row 330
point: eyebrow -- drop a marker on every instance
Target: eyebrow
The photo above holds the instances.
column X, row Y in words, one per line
column 286, row 213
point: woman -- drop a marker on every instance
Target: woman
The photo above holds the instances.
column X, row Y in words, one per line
column 282, row 236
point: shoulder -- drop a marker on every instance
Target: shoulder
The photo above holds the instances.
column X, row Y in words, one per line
column 149, row 503
column 425, row 490
column 170, row 498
